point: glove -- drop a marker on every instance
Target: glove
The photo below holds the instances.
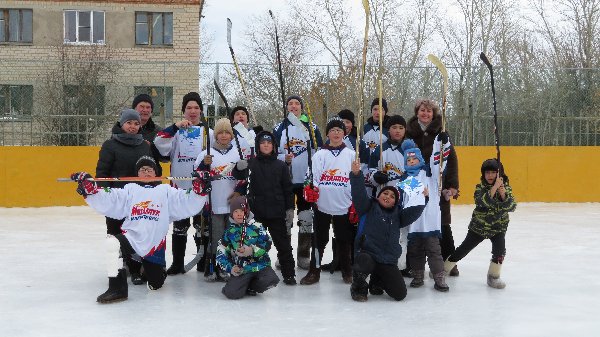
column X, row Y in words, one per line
column 244, row 251
column 201, row 183
column 237, row 271
column 311, row 194
column 380, row 177
column 84, row 186
column 352, row 215
column 241, row 165
column 443, row 137
column 258, row 129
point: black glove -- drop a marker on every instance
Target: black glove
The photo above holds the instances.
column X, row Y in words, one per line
column 380, row 177
column 85, row 187
column 257, row 129
column 443, row 137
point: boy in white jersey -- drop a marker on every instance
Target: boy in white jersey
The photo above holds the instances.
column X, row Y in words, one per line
column 148, row 209
column 330, row 192
column 293, row 137
column 182, row 142
column 223, row 155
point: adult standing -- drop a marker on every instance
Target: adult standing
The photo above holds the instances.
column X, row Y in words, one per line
column 423, row 128
column 144, row 105
column 182, row 142
column 293, row 137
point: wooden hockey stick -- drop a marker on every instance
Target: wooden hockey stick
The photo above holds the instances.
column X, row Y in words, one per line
column 239, row 74
column 362, row 77
column 442, row 69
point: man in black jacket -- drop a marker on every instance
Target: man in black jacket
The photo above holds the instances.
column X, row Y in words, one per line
column 270, row 197
column 143, row 104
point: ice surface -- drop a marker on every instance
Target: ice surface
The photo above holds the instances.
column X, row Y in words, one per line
column 53, row 268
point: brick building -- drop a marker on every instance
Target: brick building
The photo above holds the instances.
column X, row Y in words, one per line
column 97, row 55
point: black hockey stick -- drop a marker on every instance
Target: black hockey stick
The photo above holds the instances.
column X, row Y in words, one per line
column 310, row 182
column 281, row 83
column 239, row 73
column 237, row 142
column 485, row 60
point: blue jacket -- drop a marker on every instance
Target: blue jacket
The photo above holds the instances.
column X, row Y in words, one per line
column 379, row 229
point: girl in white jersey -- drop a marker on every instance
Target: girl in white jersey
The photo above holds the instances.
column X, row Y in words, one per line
column 223, row 156
column 330, row 192
column 148, row 209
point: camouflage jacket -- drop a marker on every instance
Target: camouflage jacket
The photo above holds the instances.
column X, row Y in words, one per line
column 251, row 234
column 490, row 216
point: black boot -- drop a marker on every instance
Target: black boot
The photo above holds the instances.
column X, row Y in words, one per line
column 117, row 289
column 178, row 248
column 199, row 244
column 359, row 288
column 334, row 265
column 375, row 286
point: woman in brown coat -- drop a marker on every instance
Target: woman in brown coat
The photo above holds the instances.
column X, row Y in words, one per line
column 423, row 127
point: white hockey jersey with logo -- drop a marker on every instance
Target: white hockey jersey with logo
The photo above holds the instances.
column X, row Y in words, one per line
column 331, row 174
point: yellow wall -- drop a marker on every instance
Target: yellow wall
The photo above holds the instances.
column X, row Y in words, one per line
column 28, row 174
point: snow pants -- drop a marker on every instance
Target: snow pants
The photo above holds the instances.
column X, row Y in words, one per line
column 259, row 281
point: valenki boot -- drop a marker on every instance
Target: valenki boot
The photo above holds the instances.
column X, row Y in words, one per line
column 493, row 277
column 178, row 248
column 359, row 287
column 440, row 282
column 117, row 289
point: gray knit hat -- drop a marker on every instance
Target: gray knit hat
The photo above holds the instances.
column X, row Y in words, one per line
column 128, row 115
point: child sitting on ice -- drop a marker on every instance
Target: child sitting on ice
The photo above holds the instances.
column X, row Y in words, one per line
column 493, row 201
column 243, row 252
column 148, row 209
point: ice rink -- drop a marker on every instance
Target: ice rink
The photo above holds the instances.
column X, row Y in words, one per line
column 53, row 268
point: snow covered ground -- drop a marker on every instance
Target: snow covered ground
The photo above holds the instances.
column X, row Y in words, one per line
column 53, row 268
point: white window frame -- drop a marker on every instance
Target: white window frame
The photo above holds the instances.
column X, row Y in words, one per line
column 77, row 42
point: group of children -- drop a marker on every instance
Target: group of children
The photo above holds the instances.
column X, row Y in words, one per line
column 381, row 202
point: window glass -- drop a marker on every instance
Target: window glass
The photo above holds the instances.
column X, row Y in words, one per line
column 98, row 27
column 141, row 28
column 27, row 33
column 157, row 28
column 168, row 27
column 70, row 26
column 2, row 33
column 13, row 25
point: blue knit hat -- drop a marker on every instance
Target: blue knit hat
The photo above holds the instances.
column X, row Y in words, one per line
column 410, row 149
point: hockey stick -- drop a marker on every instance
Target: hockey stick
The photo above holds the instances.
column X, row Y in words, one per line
column 239, row 73
column 281, row 85
column 237, row 142
column 310, row 182
column 442, row 69
column 380, row 125
column 485, row 60
column 362, row 76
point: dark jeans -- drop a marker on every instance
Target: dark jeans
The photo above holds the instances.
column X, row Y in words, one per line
column 258, row 281
column 342, row 230
column 447, row 241
column 301, row 204
column 473, row 239
column 282, row 243
column 154, row 273
column 386, row 276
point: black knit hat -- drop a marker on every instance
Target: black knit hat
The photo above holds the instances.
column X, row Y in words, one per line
column 393, row 120
column 296, row 97
column 142, row 98
column 347, row 114
column 145, row 161
column 335, row 123
column 383, row 103
column 393, row 189
column 191, row 96
column 237, row 108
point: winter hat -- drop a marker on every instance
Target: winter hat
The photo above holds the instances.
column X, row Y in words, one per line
column 383, row 103
column 238, row 202
column 145, row 161
column 335, row 122
column 393, row 189
column 492, row 165
column 191, row 96
column 410, row 149
column 346, row 114
column 142, row 98
column 128, row 115
column 243, row 108
column 393, row 120
column 223, row 125
column 296, row 97
column 265, row 136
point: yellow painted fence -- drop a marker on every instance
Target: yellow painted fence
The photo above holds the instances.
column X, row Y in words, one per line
column 543, row 174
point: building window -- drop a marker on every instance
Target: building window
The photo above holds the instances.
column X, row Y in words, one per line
column 16, row 25
column 162, row 98
column 85, row 27
column 16, row 100
column 154, row 29
column 84, row 100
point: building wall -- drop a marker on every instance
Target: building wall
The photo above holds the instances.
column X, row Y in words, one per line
column 138, row 65
column 28, row 174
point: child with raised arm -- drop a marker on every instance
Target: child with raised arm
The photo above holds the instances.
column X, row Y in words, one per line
column 148, row 209
column 493, row 201
column 377, row 247
column 244, row 253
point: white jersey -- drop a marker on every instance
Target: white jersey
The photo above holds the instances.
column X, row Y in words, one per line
column 331, row 174
column 183, row 147
column 147, row 210
column 224, row 186
column 430, row 222
column 371, row 136
column 393, row 163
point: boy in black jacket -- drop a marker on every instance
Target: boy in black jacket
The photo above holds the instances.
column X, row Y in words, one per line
column 377, row 246
column 270, row 197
